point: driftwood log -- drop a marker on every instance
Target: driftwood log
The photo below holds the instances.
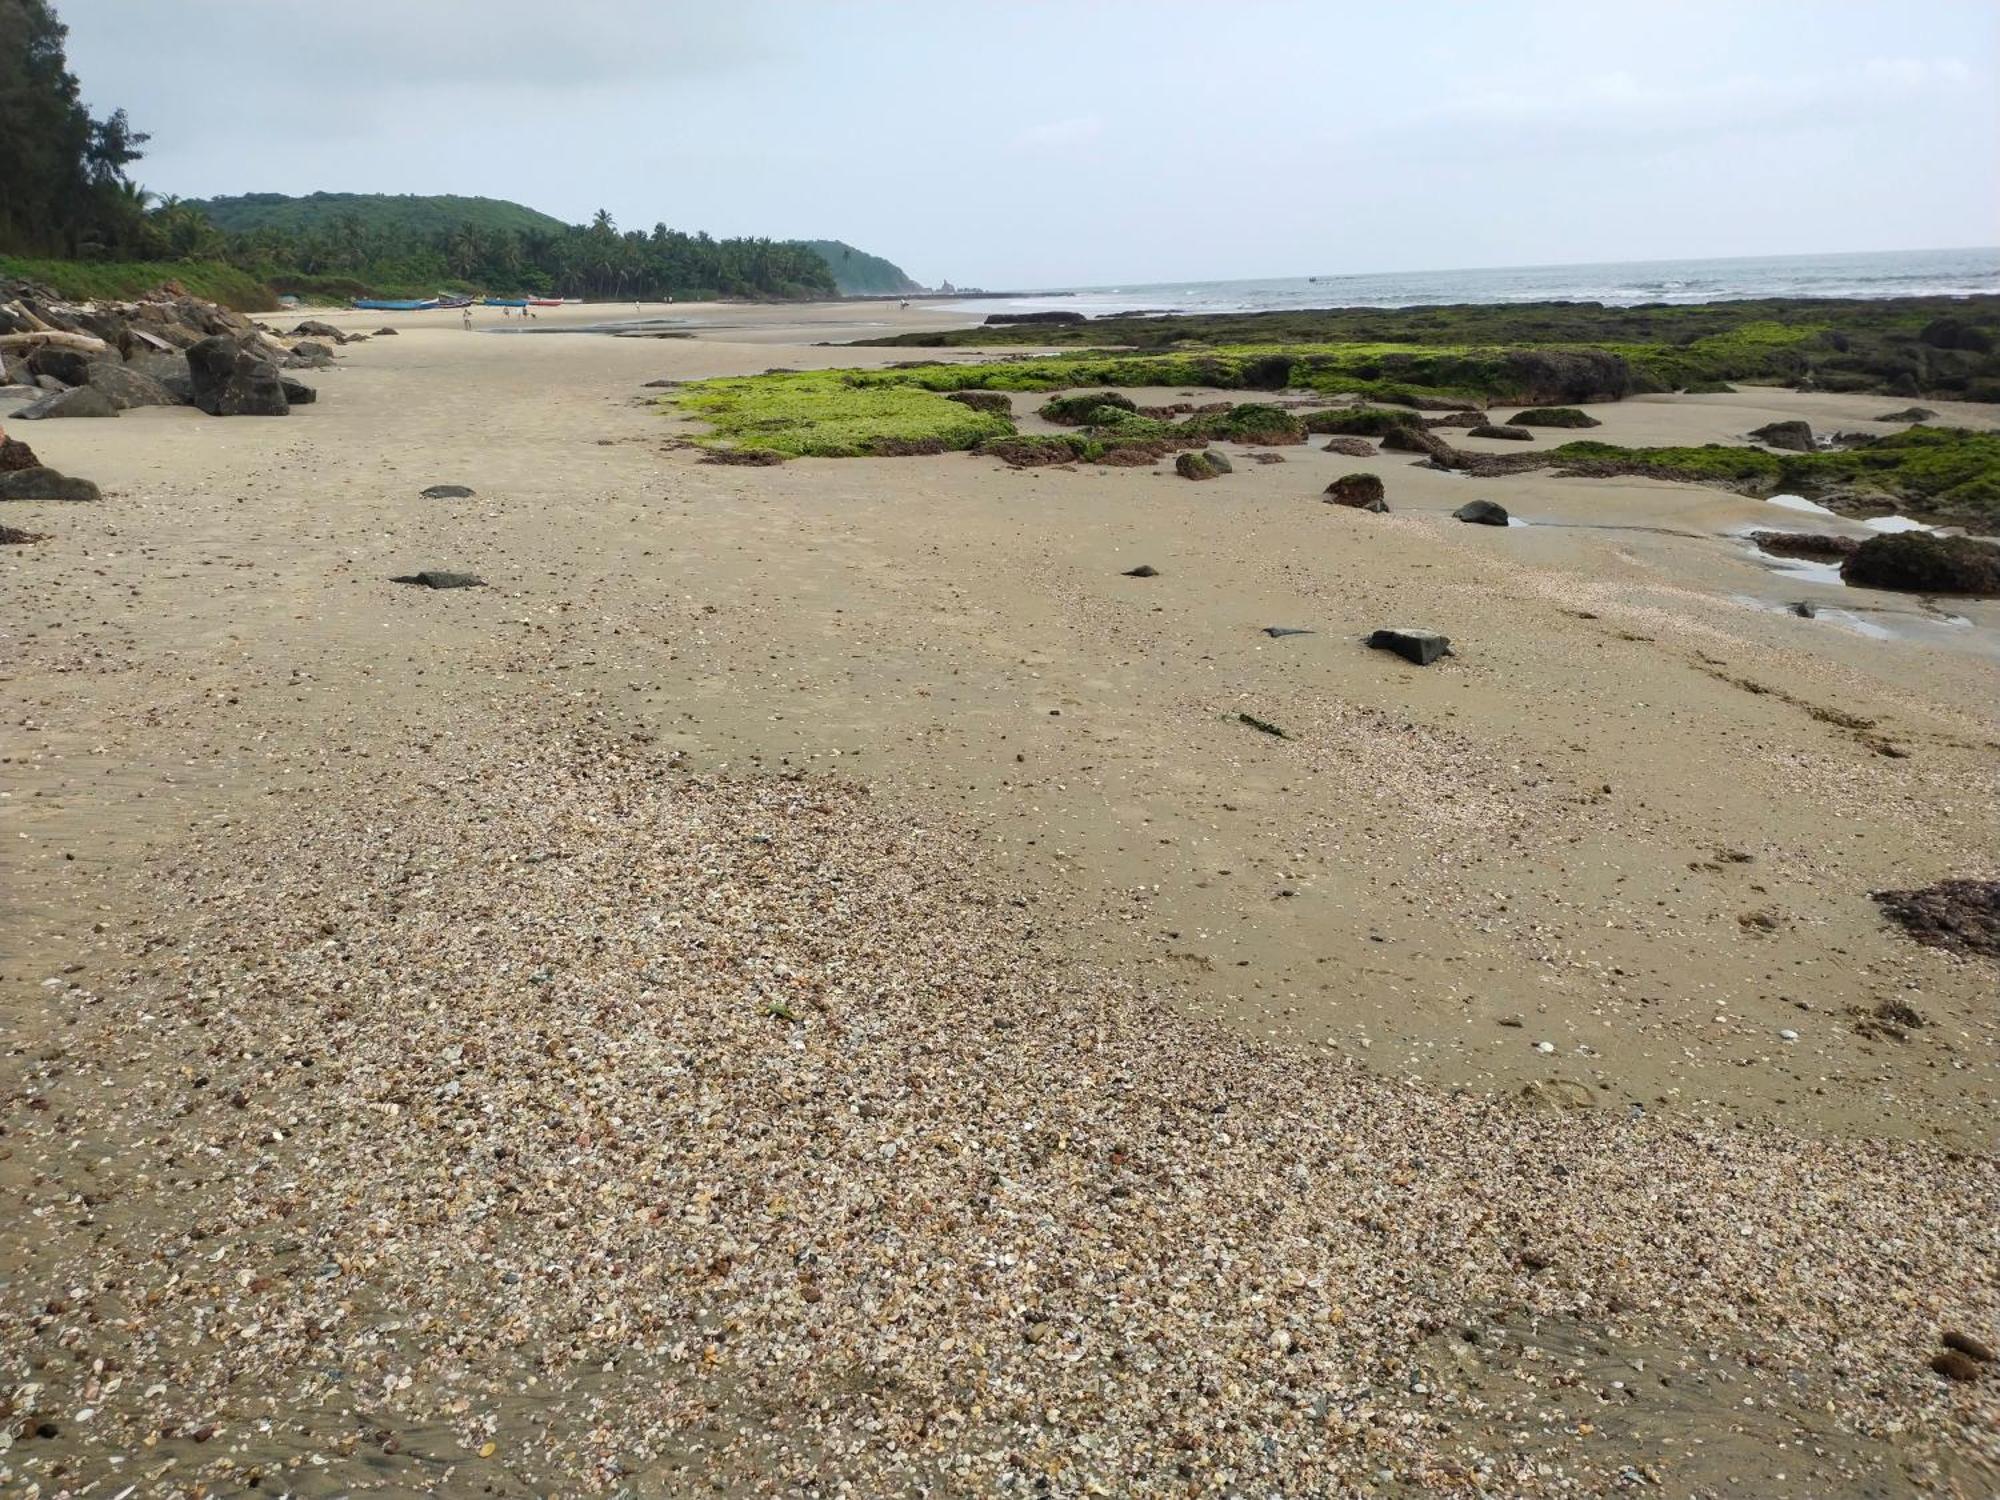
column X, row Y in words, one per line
column 82, row 342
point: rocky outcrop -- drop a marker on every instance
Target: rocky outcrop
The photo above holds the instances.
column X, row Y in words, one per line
column 1421, row 440
column 1002, row 320
column 1569, row 375
column 1511, row 434
column 1352, row 447
column 1793, row 437
column 1922, row 562
column 313, row 328
column 1359, row 492
column 230, row 381
column 15, row 454
column 70, row 366
column 1908, row 414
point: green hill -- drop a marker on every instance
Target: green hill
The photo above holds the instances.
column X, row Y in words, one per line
column 406, row 213
column 859, row 274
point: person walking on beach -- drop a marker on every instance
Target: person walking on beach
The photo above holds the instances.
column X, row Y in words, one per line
column 468, row 319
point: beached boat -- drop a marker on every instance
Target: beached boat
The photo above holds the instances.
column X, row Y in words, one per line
column 390, row 304
column 545, row 302
column 503, row 301
column 446, row 301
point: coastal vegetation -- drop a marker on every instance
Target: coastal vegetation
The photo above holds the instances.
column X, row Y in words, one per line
column 122, row 280
column 856, row 273
column 1900, row 346
column 826, row 414
column 67, row 197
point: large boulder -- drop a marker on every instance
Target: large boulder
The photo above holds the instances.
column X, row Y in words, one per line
column 1481, row 513
column 297, row 392
column 128, row 387
column 41, row 483
column 1351, row 447
column 1200, row 465
column 15, row 454
column 1922, row 562
column 307, row 355
column 1495, row 430
column 229, row 381
column 313, row 328
column 1794, row 437
column 76, row 401
column 70, row 366
column 1358, row 492
column 1421, row 440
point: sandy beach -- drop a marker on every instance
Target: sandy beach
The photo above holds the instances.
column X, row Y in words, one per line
column 807, row 984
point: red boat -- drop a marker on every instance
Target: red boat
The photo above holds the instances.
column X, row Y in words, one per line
column 545, row 302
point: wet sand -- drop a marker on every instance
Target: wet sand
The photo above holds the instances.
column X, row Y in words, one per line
column 1598, row 863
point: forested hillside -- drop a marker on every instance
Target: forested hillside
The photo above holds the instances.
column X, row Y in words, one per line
column 859, row 274
column 404, row 213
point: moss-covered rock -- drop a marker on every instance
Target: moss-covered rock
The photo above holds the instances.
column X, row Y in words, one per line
column 1553, row 416
column 1360, row 421
column 1082, row 410
column 1358, row 492
column 1924, row 563
column 1511, row 434
column 1793, row 437
column 1199, row 465
column 1252, row 422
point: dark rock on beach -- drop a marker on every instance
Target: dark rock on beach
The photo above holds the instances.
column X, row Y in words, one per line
column 1144, row 570
column 1512, row 434
column 66, row 365
column 385, row 333
column 296, row 392
column 1352, row 447
column 1908, row 414
column 78, row 401
column 446, row 492
column 128, row 387
column 1552, row 416
column 15, row 454
column 1794, row 437
column 230, row 381
column 1358, row 491
column 1420, row 646
column 40, row 483
column 1924, row 563
column 1200, row 465
column 1481, row 513
column 1817, row 546
column 434, row 578
column 313, row 328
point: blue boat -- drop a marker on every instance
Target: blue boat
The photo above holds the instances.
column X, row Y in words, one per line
column 503, row 302
column 378, row 304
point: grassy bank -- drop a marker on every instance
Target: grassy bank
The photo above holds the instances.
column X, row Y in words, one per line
column 120, row 280
column 1942, row 346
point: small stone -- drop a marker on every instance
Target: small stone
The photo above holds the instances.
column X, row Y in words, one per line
column 1545, row 1047
column 446, row 492
column 1966, row 1344
column 433, row 578
column 1788, row 1035
column 1144, row 570
column 1954, row 1365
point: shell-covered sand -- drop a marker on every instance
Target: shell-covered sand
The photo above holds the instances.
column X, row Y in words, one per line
column 805, row 985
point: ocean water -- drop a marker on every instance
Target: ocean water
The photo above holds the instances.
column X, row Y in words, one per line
column 1889, row 273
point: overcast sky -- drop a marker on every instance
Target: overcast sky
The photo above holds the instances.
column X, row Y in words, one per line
column 1010, row 143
